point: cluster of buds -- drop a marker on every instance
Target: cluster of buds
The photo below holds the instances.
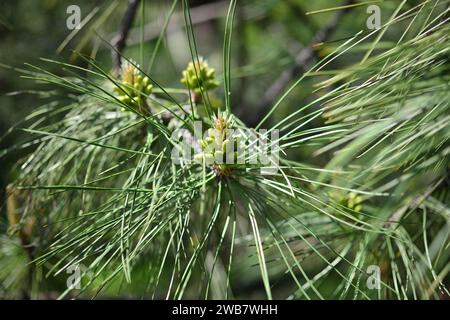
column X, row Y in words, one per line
column 219, row 148
column 350, row 200
column 135, row 87
column 199, row 77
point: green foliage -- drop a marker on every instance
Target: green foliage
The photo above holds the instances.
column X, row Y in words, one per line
column 106, row 194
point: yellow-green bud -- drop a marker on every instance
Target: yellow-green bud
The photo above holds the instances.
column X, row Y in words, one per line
column 134, row 86
column 199, row 77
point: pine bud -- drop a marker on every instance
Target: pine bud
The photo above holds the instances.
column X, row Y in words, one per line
column 199, row 77
column 134, row 86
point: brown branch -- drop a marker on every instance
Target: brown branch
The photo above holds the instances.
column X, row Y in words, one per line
column 119, row 41
column 303, row 61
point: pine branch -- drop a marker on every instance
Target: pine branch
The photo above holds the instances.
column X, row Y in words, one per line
column 119, row 41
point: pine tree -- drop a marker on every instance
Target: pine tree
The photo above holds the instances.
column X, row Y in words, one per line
column 101, row 190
